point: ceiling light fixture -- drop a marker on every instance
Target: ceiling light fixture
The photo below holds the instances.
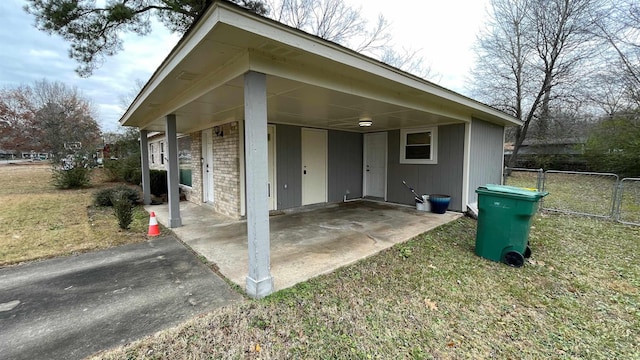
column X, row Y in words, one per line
column 365, row 122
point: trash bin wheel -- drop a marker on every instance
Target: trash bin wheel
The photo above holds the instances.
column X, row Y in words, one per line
column 527, row 252
column 514, row 259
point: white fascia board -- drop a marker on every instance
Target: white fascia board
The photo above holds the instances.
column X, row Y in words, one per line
column 336, row 53
column 184, row 47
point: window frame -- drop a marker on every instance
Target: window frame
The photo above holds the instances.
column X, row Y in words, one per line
column 433, row 160
column 161, row 152
column 152, row 153
column 181, row 165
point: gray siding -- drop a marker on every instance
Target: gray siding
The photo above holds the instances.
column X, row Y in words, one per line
column 442, row 178
column 486, row 156
column 289, row 166
column 345, row 165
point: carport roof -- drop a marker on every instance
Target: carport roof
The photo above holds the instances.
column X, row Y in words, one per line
column 310, row 81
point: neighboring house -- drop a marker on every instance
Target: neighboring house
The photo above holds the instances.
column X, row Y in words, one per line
column 7, row 154
column 554, row 153
column 277, row 119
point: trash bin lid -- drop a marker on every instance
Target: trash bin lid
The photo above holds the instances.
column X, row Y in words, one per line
column 513, row 190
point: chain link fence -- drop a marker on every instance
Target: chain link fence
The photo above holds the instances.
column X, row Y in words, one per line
column 601, row 195
column 580, row 193
column 628, row 206
column 525, row 178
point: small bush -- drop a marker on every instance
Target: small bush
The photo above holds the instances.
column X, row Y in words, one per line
column 123, row 209
column 158, row 182
column 131, row 171
column 126, row 169
column 71, row 172
column 112, row 169
column 105, row 197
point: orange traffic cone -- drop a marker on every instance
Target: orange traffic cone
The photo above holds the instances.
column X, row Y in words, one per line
column 154, row 229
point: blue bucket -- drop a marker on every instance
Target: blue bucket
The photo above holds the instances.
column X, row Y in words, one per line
column 439, row 203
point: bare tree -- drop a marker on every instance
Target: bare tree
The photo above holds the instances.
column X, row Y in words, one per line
column 619, row 25
column 46, row 115
column 337, row 21
column 529, row 52
column 16, row 119
column 332, row 20
column 125, row 100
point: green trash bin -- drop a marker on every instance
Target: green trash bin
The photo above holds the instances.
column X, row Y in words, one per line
column 504, row 219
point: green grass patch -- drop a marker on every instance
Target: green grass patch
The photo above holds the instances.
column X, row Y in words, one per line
column 584, row 194
column 433, row 298
column 630, row 202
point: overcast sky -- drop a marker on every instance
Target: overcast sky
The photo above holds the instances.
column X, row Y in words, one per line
column 444, row 30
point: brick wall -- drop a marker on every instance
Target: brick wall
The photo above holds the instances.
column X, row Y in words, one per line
column 226, row 165
column 195, row 193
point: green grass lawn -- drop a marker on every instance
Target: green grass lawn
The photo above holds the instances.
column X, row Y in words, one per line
column 630, row 204
column 38, row 221
column 588, row 194
column 432, row 298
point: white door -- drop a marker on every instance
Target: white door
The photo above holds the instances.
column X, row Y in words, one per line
column 271, row 144
column 375, row 164
column 207, row 166
column 314, row 166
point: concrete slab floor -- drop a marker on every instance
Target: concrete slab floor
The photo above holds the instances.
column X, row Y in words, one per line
column 304, row 244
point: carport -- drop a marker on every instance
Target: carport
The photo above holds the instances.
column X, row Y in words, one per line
column 304, row 244
column 237, row 76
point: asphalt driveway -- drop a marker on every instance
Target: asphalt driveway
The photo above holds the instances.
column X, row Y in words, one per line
column 71, row 307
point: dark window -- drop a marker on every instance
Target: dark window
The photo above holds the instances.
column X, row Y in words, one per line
column 184, row 160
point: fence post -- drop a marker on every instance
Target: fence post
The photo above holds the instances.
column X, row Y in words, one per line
column 540, row 179
column 617, row 200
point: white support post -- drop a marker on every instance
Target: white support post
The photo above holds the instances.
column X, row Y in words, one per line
column 144, row 159
column 259, row 280
column 173, row 172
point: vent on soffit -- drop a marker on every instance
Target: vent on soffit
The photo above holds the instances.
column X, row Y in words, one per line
column 342, row 124
column 185, row 75
column 279, row 50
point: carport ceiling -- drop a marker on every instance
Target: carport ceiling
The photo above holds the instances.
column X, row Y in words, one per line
column 301, row 104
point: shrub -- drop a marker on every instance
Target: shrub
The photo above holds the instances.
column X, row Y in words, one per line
column 123, row 209
column 112, row 169
column 130, row 170
column 105, row 197
column 126, row 169
column 613, row 147
column 158, row 182
column 71, row 172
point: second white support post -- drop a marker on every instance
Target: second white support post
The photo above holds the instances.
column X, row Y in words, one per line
column 173, row 172
column 144, row 160
column 259, row 279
